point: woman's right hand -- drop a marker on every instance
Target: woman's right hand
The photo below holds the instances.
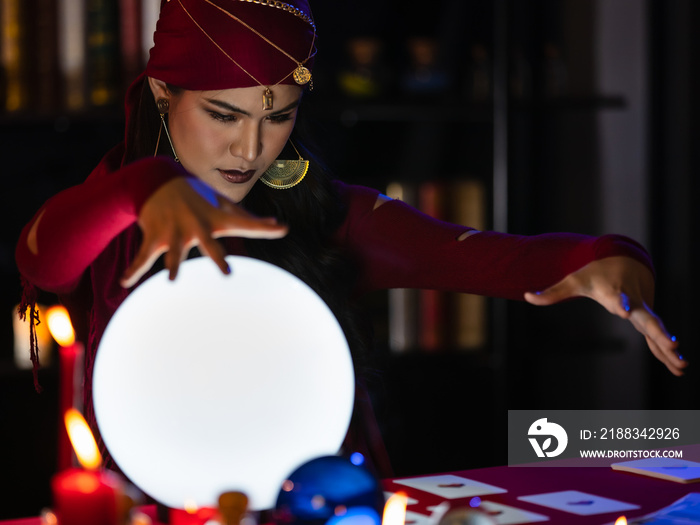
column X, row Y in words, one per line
column 184, row 213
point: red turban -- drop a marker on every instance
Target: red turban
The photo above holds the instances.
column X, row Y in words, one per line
column 222, row 44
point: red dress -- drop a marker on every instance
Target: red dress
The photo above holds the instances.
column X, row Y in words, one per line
column 394, row 246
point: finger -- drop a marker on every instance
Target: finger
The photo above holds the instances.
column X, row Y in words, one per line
column 673, row 362
column 662, row 345
column 251, row 228
column 212, row 249
column 624, row 306
column 232, row 220
column 144, row 261
column 617, row 303
column 177, row 252
column 554, row 294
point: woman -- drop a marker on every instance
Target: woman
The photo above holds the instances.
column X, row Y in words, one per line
column 218, row 105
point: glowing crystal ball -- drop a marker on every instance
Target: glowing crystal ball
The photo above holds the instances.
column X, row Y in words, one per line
column 212, row 382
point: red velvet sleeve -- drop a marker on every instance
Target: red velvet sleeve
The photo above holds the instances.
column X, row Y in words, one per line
column 397, row 246
column 78, row 223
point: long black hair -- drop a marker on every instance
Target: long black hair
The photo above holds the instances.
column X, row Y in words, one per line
column 312, row 209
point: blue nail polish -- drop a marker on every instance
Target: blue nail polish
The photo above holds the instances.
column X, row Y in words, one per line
column 680, row 357
column 673, row 338
column 626, row 303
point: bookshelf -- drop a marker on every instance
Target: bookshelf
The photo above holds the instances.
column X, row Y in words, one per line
column 543, row 92
column 497, row 99
column 72, row 56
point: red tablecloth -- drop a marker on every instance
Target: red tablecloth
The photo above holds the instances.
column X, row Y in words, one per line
column 648, row 493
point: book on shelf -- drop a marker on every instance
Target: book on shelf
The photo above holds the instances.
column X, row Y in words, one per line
column 29, row 55
column 72, row 57
column 43, row 55
column 44, row 30
column 432, row 304
column 14, row 16
column 432, row 320
column 130, row 35
column 103, row 52
column 469, row 311
column 403, row 302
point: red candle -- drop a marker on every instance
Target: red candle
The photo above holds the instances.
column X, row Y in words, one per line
column 83, row 497
column 71, row 359
column 87, row 496
column 192, row 517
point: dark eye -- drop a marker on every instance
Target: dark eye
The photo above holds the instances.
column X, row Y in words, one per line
column 280, row 118
column 221, row 117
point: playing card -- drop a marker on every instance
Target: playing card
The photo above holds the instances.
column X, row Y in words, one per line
column 409, row 501
column 449, row 486
column 413, row 518
column 685, row 511
column 665, row 468
column 576, row 502
column 505, row 514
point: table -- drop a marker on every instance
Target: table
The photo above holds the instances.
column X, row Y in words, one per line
column 650, row 494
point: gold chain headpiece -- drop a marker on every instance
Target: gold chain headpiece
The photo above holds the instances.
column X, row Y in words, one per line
column 284, row 7
column 301, row 74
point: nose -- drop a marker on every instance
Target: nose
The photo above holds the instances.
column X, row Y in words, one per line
column 247, row 144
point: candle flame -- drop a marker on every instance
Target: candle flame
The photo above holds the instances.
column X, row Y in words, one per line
column 82, row 440
column 48, row 517
column 395, row 509
column 60, row 326
column 621, row 521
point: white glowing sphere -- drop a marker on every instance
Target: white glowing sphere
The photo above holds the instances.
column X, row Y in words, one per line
column 212, row 383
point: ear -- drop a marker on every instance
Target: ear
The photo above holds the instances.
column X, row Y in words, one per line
column 159, row 88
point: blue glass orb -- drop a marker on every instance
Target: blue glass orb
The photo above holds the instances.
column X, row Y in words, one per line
column 356, row 458
column 330, row 488
column 356, row 516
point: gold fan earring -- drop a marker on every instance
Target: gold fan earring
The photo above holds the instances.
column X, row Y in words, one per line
column 284, row 174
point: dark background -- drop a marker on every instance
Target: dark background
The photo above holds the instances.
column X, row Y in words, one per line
column 447, row 410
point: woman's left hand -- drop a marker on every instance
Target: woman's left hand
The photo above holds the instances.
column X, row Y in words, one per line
column 625, row 287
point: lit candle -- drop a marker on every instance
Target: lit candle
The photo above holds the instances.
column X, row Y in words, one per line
column 621, row 521
column 232, row 507
column 85, row 496
column 71, row 358
column 395, row 509
column 191, row 515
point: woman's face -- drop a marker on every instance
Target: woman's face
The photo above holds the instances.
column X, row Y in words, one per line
column 225, row 137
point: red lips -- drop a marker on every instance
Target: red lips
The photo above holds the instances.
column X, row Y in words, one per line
column 237, row 176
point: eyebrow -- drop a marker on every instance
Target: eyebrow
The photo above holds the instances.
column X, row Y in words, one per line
column 235, row 109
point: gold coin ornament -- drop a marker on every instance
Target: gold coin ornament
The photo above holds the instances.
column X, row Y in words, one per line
column 302, row 75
